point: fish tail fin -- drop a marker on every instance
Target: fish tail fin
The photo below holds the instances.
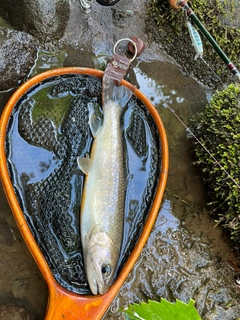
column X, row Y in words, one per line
column 119, row 94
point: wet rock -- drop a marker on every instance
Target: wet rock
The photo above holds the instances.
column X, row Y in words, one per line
column 42, row 18
column 20, row 288
column 13, row 313
column 190, row 270
column 232, row 18
column 6, row 235
column 120, row 17
column 99, row 30
column 17, row 54
column 179, row 264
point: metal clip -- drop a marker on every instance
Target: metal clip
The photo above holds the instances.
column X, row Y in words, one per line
column 119, row 64
column 86, row 5
column 129, row 40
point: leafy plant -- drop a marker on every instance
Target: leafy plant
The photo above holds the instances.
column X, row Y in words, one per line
column 163, row 310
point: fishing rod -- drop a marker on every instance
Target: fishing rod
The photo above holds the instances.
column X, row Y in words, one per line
column 199, row 53
column 183, row 4
column 196, row 41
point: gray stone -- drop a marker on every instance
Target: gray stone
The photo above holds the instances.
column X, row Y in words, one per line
column 13, row 313
column 232, row 17
column 17, row 54
column 20, row 288
column 42, row 18
column 6, row 233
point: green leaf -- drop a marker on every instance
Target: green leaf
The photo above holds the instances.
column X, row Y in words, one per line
column 163, row 310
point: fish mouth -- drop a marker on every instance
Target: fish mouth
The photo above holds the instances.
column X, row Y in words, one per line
column 102, row 289
column 95, row 280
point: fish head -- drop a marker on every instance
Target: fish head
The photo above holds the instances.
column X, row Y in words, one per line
column 100, row 262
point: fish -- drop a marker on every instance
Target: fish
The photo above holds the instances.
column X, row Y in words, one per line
column 103, row 199
column 196, row 40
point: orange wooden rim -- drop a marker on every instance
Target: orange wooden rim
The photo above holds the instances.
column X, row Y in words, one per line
column 63, row 304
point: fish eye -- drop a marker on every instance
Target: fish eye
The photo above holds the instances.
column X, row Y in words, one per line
column 106, row 270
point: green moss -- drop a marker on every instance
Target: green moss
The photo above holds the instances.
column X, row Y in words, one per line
column 218, row 127
column 213, row 14
column 165, row 18
column 4, row 24
column 218, row 130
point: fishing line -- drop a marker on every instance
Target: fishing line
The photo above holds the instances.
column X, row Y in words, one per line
column 213, row 72
column 197, row 44
column 231, row 67
column 174, row 113
column 198, row 140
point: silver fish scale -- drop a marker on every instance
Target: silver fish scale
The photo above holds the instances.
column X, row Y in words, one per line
column 51, row 206
column 107, row 181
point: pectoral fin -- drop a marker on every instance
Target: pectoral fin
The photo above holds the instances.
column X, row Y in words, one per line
column 95, row 118
column 84, row 164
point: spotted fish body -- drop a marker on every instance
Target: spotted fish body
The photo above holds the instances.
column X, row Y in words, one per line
column 196, row 40
column 102, row 208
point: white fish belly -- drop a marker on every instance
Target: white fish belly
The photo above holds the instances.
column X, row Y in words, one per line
column 104, row 189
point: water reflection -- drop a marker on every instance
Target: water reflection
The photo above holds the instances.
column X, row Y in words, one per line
column 155, row 91
column 178, row 264
column 47, row 60
column 42, row 146
column 166, row 219
column 38, row 163
column 185, row 256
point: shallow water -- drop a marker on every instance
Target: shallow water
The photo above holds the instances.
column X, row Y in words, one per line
column 178, row 263
column 185, row 256
column 47, row 131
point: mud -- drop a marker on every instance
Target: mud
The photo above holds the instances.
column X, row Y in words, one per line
column 187, row 255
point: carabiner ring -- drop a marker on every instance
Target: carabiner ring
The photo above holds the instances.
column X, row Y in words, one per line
column 126, row 39
column 86, row 5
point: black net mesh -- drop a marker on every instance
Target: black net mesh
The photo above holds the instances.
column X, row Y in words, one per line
column 47, row 131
